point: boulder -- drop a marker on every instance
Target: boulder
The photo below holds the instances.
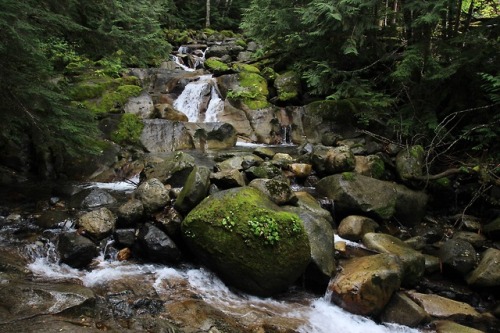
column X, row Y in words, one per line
column 194, row 190
column 98, row 223
column 403, row 310
column 264, row 152
column 492, row 229
column 444, row 308
column 238, row 118
column 130, row 212
column 487, row 273
column 278, row 191
column 475, row 239
column 75, row 250
column 220, row 135
column 239, row 162
column 160, row 135
column 142, row 106
column 354, row 227
column 318, row 225
column 226, row 179
column 457, row 256
column 220, row 50
column 265, row 170
column 300, row 170
column 170, row 220
column 156, row 246
column 413, row 261
column 124, row 238
column 173, row 169
column 248, row 240
column 153, row 195
column 288, row 86
column 97, row 198
column 409, row 162
column 49, row 219
column 447, row 326
column 365, row 285
column 357, row 194
column 168, row 112
column 328, row 160
column 370, row 166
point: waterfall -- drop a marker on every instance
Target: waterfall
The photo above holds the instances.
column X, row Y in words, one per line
column 200, row 101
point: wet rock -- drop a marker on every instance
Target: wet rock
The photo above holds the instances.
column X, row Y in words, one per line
column 457, row 256
column 279, row 192
column 354, row 227
column 264, row 152
column 447, row 326
column 409, row 162
column 357, row 194
column 370, row 166
column 194, row 190
column 492, row 229
column 475, row 239
column 124, row 237
column 432, row 263
column 172, row 169
column 250, row 241
column 301, row 170
column 212, row 135
column 124, row 254
column 52, row 218
column 288, row 86
column 228, row 179
column 404, row 311
column 282, row 158
column 170, row 220
column 237, row 162
column 98, row 223
column 430, row 232
column 75, row 250
column 366, row 284
column 156, row 246
column 444, row 308
column 24, row 300
column 130, row 212
column 417, row 243
column 265, row 170
column 98, row 198
column 236, row 117
column 329, row 160
column 317, row 223
column 487, row 273
column 153, row 194
column 413, row 261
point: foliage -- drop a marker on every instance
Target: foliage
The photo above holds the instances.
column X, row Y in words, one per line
column 129, row 129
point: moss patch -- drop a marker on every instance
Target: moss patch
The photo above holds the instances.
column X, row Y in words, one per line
column 256, row 85
column 113, row 101
column 245, row 68
column 129, row 129
column 216, row 65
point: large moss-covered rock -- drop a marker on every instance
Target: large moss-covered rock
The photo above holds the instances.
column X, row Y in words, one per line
column 409, row 162
column 252, row 243
column 288, row 86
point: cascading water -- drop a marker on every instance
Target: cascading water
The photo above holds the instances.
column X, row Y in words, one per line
column 199, row 100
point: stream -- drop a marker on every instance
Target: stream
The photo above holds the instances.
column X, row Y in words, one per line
column 188, row 296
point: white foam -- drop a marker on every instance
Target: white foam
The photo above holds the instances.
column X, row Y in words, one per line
column 121, row 186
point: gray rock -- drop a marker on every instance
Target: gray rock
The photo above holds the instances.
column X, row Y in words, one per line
column 153, row 194
column 160, row 135
column 98, row 198
column 409, row 162
column 157, row 246
column 75, row 250
column 226, row 179
column 457, row 256
column 124, row 237
column 371, row 166
column 142, row 106
column 195, row 189
column 130, row 212
column 329, row 160
column 278, row 191
column 238, row 162
column 172, row 169
column 98, row 223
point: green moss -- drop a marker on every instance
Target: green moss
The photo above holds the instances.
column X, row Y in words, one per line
column 443, row 182
column 241, row 42
column 113, row 101
column 349, row 176
column 129, row 129
column 286, row 96
column 239, row 67
column 417, row 151
column 256, row 85
column 216, row 65
column 269, row 74
column 377, row 167
column 387, row 211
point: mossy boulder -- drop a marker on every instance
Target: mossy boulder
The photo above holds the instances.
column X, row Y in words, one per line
column 216, row 66
column 251, row 90
column 410, row 161
column 288, row 86
column 239, row 67
column 114, row 100
column 248, row 240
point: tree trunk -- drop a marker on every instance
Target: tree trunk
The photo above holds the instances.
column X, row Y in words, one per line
column 207, row 19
